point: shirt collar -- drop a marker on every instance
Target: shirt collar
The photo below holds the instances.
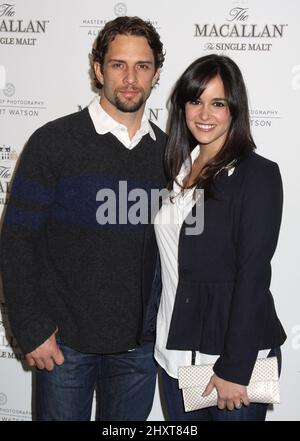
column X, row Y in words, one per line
column 104, row 123
column 185, row 168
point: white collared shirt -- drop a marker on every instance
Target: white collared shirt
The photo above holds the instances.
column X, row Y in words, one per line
column 104, row 123
column 167, row 224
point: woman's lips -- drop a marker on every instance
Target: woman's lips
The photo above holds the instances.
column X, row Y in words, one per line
column 205, row 127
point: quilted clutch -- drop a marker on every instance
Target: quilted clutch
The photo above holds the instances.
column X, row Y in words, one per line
column 263, row 386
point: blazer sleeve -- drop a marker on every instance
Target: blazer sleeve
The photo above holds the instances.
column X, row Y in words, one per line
column 22, row 243
column 258, row 230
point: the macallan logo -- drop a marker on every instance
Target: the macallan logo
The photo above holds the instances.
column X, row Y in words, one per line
column 237, row 28
column 153, row 113
column 10, row 24
column 15, row 31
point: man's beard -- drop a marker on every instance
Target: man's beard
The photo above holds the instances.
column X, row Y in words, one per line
column 129, row 106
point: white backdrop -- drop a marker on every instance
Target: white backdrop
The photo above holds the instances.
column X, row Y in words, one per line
column 44, row 74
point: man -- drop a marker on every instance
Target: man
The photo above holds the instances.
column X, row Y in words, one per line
column 77, row 287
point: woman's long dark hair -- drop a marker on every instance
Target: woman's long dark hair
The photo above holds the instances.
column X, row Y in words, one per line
column 189, row 87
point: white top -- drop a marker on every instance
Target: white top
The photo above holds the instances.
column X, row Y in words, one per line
column 167, row 223
column 104, row 123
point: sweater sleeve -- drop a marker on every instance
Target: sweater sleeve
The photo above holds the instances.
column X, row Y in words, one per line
column 22, row 243
column 259, row 225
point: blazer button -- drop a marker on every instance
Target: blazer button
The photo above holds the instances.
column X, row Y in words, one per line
column 184, row 272
column 187, row 300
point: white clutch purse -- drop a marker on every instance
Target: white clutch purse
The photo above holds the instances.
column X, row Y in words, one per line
column 263, row 386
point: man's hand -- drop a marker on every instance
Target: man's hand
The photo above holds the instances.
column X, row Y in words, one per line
column 47, row 355
column 230, row 395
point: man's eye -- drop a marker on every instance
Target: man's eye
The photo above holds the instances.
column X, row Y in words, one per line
column 143, row 66
column 117, row 65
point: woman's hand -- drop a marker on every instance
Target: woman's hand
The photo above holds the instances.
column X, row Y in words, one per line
column 230, row 395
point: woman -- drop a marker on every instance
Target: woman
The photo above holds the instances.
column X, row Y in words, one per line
column 216, row 299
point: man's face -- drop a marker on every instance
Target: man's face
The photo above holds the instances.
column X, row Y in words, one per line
column 128, row 74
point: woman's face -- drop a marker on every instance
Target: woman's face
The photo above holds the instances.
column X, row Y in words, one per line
column 208, row 117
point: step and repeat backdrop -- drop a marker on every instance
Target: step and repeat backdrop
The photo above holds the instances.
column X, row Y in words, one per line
column 45, row 73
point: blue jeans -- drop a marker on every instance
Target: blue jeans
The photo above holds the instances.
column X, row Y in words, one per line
column 125, row 385
column 174, row 402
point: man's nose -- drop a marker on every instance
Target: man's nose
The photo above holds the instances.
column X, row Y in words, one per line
column 130, row 75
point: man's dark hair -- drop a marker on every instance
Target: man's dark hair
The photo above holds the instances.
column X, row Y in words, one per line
column 127, row 26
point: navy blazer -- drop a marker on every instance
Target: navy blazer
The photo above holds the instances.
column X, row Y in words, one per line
column 223, row 304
